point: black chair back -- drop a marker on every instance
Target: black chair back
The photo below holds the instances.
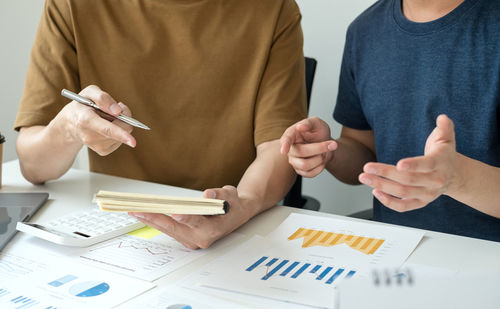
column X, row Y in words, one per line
column 294, row 197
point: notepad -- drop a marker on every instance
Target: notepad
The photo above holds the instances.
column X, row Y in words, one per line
column 137, row 202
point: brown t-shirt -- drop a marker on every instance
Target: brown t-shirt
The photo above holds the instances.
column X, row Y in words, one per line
column 212, row 78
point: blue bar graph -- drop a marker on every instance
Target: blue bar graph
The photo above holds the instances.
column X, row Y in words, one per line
column 24, row 302
column 350, row 274
column 315, row 269
column 271, row 262
column 28, row 304
column 292, row 270
column 289, row 269
column 335, row 276
column 262, row 259
column 301, row 270
column 17, row 299
column 62, row 280
column 275, row 269
column 323, row 274
column 3, row 292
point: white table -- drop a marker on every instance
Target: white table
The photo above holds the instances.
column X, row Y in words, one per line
column 74, row 191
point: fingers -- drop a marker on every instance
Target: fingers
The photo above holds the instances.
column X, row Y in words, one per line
column 311, row 173
column 105, row 102
column 121, row 124
column 313, row 149
column 421, row 164
column 226, row 193
column 168, row 226
column 90, row 121
column 289, row 137
column 397, row 204
column 308, row 130
column 305, row 165
column 125, row 110
column 423, row 177
column 398, row 189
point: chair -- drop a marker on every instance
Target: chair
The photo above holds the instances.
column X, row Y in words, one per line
column 294, row 197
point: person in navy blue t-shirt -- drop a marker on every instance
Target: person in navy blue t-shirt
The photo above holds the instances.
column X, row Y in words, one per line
column 419, row 101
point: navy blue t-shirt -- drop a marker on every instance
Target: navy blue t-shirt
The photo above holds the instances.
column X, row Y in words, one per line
column 397, row 76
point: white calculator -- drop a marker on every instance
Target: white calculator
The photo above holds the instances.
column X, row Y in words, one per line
column 83, row 228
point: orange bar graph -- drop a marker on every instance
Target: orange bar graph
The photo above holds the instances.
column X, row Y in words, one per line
column 366, row 245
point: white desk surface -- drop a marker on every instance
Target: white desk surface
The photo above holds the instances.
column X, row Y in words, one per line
column 75, row 190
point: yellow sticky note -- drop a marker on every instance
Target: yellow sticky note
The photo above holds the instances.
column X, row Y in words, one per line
column 146, row 232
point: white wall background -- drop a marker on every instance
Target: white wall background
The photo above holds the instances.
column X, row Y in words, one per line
column 18, row 24
column 324, row 23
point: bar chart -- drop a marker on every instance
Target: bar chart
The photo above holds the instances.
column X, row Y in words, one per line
column 16, row 301
column 286, row 268
column 366, row 245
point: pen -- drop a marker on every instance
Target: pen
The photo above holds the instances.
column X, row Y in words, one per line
column 78, row 98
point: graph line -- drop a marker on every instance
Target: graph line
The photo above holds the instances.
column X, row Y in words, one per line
column 121, row 245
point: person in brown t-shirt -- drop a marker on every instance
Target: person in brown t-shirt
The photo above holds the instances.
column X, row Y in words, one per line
column 217, row 81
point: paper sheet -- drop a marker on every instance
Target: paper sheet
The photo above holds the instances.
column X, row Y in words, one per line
column 307, row 257
column 28, row 283
column 144, row 254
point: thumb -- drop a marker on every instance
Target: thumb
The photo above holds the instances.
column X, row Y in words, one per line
column 446, row 129
column 210, row 193
column 443, row 133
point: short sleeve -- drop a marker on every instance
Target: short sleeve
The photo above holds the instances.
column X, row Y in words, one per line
column 53, row 66
column 348, row 110
column 281, row 99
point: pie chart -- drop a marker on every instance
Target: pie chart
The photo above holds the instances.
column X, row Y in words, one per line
column 89, row 289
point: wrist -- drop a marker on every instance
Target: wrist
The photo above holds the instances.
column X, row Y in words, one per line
column 251, row 205
column 458, row 181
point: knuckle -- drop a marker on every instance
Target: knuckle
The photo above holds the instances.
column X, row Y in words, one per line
column 101, row 97
column 98, row 150
column 81, row 121
column 190, row 246
column 395, row 206
column 432, row 164
column 302, row 165
column 421, row 204
column 410, row 178
column 230, row 188
column 205, row 243
column 106, row 131
column 441, row 181
column 402, row 191
column 431, row 195
column 87, row 140
column 102, row 151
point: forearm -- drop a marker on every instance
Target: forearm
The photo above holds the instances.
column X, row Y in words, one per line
column 45, row 152
column 477, row 186
column 266, row 180
column 348, row 159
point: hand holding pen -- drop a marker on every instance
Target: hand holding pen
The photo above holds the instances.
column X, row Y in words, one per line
column 99, row 127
